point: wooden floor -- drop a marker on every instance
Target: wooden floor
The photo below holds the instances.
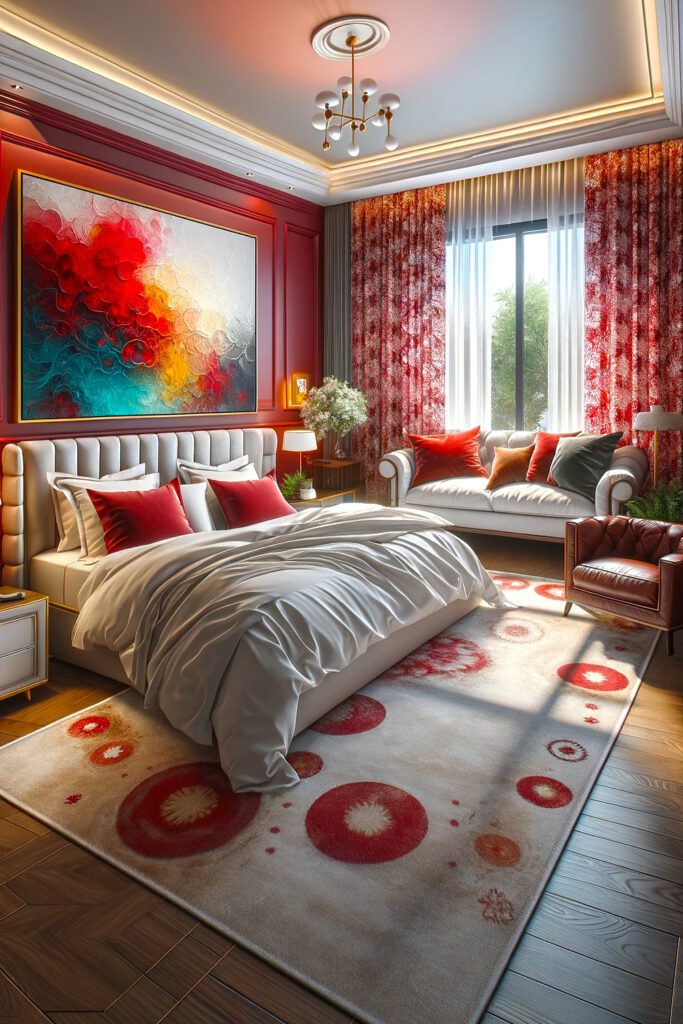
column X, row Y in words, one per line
column 80, row 943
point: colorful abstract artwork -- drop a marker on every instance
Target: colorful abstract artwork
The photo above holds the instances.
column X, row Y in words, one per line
column 130, row 311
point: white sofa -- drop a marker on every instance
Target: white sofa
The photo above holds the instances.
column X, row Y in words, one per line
column 524, row 509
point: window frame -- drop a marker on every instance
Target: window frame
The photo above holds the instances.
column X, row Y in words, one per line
column 518, row 231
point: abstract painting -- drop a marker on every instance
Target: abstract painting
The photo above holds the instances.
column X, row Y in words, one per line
column 130, row 311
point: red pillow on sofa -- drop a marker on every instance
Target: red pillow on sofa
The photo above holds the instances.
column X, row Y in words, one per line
column 439, row 456
column 543, row 455
column 247, row 502
column 130, row 518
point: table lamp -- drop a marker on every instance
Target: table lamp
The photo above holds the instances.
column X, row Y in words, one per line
column 657, row 419
column 299, row 441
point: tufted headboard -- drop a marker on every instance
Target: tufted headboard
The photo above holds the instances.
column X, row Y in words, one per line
column 28, row 522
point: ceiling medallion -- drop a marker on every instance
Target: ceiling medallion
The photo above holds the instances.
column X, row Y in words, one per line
column 341, row 39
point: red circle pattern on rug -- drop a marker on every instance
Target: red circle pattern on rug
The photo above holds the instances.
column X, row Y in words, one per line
column 112, row 753
column 498, row 850
column 592, row 677
column 305, row 763
column 93, row 725
column 544, row 791
column 357, row 714
column 567, row 750
column 553, row 591
column 440, row 656
column 366, row 823
column 184, row 810
column 510, row 582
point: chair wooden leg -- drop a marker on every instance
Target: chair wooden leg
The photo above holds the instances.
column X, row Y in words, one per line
column 567, row 608
column 669, row 641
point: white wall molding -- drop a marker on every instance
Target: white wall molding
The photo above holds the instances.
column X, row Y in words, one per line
column 670, row 33
column 61, row 74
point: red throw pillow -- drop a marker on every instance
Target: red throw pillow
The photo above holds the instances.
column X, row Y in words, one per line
column 130, row 518
column 543, row 454
column 246, row 502
column 439, row 456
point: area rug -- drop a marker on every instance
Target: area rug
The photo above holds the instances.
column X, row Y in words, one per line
column 397, row 877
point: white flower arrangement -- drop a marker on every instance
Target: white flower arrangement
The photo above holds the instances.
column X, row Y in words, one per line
column 336, row 406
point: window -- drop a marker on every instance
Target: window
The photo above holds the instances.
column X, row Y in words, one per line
column 518, row 325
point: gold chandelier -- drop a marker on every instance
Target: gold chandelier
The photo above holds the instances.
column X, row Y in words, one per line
column 338, row 40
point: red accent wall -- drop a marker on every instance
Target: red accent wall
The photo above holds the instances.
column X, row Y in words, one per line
column 41, row 140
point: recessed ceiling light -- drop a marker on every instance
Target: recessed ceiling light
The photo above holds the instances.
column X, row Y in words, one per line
column 291, row 188
column 16, row 87
column 250, row 174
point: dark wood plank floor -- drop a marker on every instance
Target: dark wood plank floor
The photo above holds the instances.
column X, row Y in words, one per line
column 81, row 943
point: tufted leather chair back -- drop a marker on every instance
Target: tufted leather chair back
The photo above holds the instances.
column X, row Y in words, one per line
column 641, row 539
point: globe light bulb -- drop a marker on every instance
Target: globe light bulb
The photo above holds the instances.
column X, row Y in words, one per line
column 391, row 143
column 326, row 98
column 354, row 149
column 368, row 85
column 344, row 83
column 319, row 121
column 334, row 132
column 378, row 119
column 390, row 100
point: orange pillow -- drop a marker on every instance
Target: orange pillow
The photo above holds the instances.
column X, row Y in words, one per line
column 510, row 466
column 543, row 454
column 439, row 456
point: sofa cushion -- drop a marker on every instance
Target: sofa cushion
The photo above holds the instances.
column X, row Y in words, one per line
column 467, row 492
column 579, row 462
column 545, row 447
column 540, row 500
column 624, row 579
column 442, row 456
column 509, row 466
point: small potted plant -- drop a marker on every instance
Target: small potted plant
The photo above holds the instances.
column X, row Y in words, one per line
column 307, row 490
column 334, row 406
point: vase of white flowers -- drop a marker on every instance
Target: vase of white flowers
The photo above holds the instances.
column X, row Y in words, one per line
column 334, row 406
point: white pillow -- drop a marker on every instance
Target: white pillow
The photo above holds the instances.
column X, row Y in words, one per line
column 194, row 500
column 66, row 513
column 89, row 525
column 212, row 473
column 185, row 466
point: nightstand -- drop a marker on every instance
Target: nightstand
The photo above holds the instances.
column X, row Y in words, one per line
column 23, row 643
column 324, row 498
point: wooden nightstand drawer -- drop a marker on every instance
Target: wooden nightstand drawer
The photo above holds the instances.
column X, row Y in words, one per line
column 17, row 632
column 23, row 643
column 18, row 670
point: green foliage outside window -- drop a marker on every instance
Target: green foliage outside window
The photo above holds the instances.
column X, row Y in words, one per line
column 503, row 357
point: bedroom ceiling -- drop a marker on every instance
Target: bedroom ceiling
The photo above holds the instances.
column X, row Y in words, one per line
column 465, row 70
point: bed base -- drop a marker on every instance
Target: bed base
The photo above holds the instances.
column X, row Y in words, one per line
column 313, row 704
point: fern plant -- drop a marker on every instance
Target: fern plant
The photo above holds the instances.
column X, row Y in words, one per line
column 292, row 484
column 663, row 502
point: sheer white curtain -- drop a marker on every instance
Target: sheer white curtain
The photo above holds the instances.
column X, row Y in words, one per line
column 552, row 192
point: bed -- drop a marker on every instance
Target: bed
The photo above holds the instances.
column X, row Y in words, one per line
column 310, row 542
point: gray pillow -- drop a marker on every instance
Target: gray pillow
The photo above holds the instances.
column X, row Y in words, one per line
column 580, row 461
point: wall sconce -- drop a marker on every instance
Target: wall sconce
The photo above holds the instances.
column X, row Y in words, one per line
column 298, row 386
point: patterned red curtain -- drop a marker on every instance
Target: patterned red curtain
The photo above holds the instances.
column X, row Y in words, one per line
column 634, row 291
column 398, row 289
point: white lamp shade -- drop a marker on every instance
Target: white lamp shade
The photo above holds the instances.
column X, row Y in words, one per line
column 299, row 441
column 658, row 419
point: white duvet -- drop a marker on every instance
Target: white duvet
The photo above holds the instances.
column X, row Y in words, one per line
column 224, row 631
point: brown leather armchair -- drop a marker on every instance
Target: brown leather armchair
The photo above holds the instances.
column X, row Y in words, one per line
column 629, row 567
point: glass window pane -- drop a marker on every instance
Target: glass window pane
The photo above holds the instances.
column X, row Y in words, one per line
column 501, row 299
column 536, row 330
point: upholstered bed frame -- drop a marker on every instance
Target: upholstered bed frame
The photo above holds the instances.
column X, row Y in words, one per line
column 29, row 528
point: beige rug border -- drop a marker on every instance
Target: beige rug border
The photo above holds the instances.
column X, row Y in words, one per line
column 309, row 983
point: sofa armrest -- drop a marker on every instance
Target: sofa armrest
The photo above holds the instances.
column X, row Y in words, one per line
column 624, row 479
column 398, row 467
column 671, row 589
